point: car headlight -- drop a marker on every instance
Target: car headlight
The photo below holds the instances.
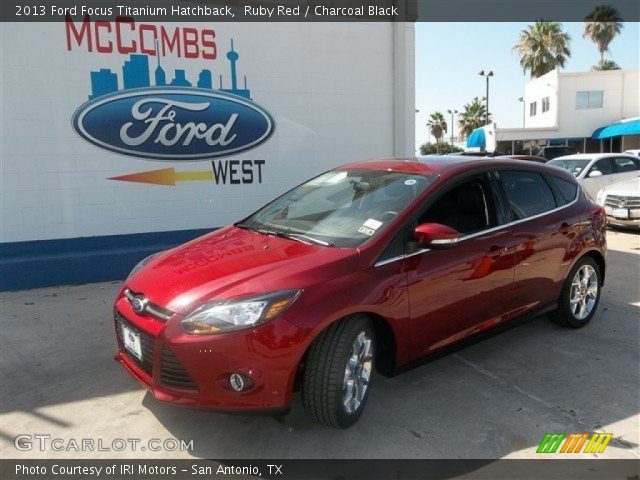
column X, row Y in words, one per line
column 601, row 197
column 229, row 315
column 140, row 265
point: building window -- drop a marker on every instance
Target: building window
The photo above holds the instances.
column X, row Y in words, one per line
column 545, row 104
column 591, row 99
column 533, row 107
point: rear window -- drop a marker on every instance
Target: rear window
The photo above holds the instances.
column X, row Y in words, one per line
column 568, row 190
column 528, row 193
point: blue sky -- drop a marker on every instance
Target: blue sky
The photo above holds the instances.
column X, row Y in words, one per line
column 450, row 55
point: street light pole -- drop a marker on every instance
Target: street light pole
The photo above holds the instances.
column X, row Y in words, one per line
column 452, row 112
column 490, row 74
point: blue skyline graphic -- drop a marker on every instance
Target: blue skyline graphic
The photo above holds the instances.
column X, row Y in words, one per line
column 136, row 74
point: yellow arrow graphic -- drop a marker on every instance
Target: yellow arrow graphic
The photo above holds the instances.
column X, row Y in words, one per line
column 165, row 176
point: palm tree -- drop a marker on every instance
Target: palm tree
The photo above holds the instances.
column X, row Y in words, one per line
column 473, row 116
column 437, row 126
column 542, row 47
column 606, row 65
column 601, row 26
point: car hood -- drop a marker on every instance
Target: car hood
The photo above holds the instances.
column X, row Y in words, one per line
column 629, row 188
column 233, row 262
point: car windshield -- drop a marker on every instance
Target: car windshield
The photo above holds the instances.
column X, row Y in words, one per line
column 572, row 165
column 342, row 208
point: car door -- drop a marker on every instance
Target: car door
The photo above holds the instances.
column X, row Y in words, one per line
column 594, row 181
column 459, row 291
column 544, row 220
column 625, row 168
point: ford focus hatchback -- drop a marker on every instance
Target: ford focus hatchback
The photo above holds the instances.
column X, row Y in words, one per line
column 368, row 267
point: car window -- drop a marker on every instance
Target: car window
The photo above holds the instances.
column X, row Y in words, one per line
column 527, row 192
column 341, row 207
column 625, row 164
column 467, row 208
column 604, row 165
column 567, row 190
column 575, row 166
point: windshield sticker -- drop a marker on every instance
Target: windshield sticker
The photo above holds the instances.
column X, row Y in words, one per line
column 366, row 231
column 372, row 224
column 411, row 181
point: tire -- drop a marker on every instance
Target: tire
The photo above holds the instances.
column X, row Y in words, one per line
column 324, row 382
column 568, row 314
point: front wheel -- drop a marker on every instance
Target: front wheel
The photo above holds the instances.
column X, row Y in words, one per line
column 580, row 295
column 337, row 373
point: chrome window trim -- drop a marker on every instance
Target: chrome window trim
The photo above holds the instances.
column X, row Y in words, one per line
column 483, row 232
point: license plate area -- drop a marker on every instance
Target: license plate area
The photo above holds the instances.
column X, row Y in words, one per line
column 620, row 213
column 131, row 342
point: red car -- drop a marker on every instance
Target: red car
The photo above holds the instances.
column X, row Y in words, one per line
column 373, row 264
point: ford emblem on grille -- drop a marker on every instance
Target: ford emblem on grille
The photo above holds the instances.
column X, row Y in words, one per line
column 138, row 302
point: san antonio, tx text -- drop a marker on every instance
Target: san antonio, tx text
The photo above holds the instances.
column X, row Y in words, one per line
column 142, row 469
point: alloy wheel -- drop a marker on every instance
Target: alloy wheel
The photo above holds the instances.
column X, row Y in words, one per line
column 357, row 372
column 584, row 292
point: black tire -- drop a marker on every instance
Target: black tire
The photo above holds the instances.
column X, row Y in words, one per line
column 563, row 315
column 324, row 372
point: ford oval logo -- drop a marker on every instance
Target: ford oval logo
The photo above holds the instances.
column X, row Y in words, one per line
column 173, row 123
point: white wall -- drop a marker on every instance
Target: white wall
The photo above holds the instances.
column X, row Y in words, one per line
column 330, row 88
column 535, row 91
column 620, row 100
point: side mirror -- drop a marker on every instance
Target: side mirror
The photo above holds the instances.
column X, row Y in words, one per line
column 595, row 173
column 435, row 235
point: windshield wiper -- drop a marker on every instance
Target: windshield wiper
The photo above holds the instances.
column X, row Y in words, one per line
column 302, row 237
column 290, row 235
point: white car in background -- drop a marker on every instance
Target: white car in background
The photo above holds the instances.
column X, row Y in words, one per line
column 621, row 201
column 635, row 153
column 598, row 170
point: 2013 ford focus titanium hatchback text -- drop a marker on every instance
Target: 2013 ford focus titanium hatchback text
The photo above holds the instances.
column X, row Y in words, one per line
column 371, row 265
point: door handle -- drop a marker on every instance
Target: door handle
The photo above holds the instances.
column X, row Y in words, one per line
column 495, row 251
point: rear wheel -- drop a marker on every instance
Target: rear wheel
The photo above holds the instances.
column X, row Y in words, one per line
column 580, row 295
column 337, row 375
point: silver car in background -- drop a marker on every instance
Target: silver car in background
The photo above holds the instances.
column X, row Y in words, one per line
column 621, row 201
column 598, row 170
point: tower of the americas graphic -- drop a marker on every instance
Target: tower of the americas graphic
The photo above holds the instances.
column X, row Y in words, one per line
column 233, row 56
column 161, row 77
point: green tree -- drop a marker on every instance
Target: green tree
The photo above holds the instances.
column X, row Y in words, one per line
column 472, row 117
column 442, row 148
column 606, row 65
column 437, row 126
column 542, row 47
column 601, row 26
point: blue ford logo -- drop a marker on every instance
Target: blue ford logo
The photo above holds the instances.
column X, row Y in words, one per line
column 173, row 123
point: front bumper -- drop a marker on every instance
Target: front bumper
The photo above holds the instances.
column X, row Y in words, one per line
column 193, row 371
column 624, row 222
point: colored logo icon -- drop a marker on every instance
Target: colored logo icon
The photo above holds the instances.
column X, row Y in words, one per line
column 574, row 442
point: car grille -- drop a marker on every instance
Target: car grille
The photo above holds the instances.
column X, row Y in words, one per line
column 619, row 201
column 146, row 344
column 173, row 374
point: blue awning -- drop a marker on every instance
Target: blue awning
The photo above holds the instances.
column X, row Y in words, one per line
column 627, row 127
column 476, row 139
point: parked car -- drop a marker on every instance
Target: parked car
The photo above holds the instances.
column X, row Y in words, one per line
column 551, row 152
column 621, row 202
column 633, row 152
column 597, row 170
column 373, row 264
column 530, row 158
column 469, row 153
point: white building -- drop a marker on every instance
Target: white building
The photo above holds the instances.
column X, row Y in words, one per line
column 569, row 109
column 84, row 195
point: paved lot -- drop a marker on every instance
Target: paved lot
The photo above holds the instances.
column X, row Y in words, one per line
column 494, row 399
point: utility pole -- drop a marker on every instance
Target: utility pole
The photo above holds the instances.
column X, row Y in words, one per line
column 452, row 112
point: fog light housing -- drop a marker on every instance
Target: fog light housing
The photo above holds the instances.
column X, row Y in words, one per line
column 239, row 382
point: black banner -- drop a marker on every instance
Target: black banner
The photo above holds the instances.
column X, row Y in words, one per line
column 319, row 469
column 313, row 10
